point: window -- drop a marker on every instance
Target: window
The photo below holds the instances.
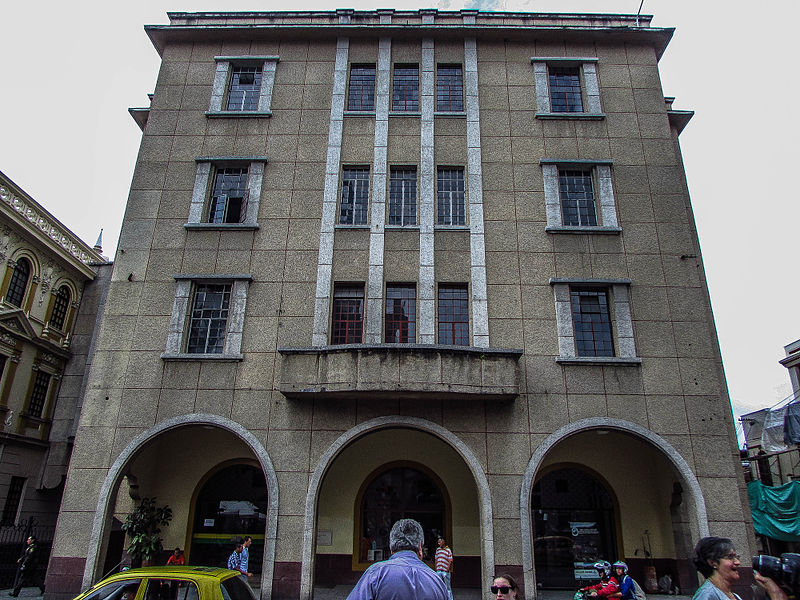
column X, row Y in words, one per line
column 38, row 399
column 405, row 89
column 450, row 209
column 361, row 96
column 19, row 282
column 171, row 589
column 229, row 196
column 13, row 499
column 401, row 314
column 449, row 88
column 207, row 317
column 579, row 197
column 453, row 314
column 591, row 322
column 593, row 317
column 348, row 313
column 227, row 193
column 114, row 590
column 243, row 86
column 566, row 88
column 355, row 196
column 403, row 196
column 60, row 307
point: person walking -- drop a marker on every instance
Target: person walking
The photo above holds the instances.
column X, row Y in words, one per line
column 444, row 564
column 246, row 555
column 27, row 575
column 235, row 559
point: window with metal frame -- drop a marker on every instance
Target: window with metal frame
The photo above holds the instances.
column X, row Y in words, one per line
column 450, row 199
column 229, row 196
column 209, row 318
column 401, row 313
column 19, row 282
column 245, row 88
column 405, row 88
column 60, row 308
column 41, row 384
column 576, row 189
column 347, row 321
column 403, row 196
column 13, row 499
column 361, row 94
column 454, row 314
column 355, row 196
column 565, row 89
column 591, row 320
column 449, row 88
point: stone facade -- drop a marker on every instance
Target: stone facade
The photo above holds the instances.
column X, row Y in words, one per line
column 528, row 317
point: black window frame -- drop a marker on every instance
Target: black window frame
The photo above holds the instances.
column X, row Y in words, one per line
column 203, row 321
column 40, row 388
column 576, row 191
column 13, row 500
column 249, row 93
column 61, row 302
column 453, row 301
column 451, row 196
column 361, row 90
column 405, row 88
column 228, row 202
column 565, row 89
column 403, row 185
column 450, row 88
column 18, row 285
column 592, row 321
column 354, row 196
column 400, row 330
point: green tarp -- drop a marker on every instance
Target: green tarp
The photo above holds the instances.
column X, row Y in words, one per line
column 776, row 510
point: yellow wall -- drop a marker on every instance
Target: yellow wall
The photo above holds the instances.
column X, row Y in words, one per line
column 350, row 469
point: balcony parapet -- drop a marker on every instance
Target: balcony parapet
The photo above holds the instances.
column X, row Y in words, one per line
column 415, row 371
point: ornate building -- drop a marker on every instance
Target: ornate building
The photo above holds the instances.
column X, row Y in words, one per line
column 408, row 263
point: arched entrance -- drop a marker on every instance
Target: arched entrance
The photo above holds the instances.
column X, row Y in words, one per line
column 574, row 525
column 230, row 503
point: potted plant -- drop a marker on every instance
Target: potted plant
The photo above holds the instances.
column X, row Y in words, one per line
column 143, row 527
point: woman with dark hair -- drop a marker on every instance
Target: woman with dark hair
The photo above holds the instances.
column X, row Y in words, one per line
column 716, row 560
column 504, row 587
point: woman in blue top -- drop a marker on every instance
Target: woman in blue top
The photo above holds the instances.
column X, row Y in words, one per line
column 627, row 590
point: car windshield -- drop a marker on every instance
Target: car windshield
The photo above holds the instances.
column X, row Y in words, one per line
column 236, row 588
column 115, row 590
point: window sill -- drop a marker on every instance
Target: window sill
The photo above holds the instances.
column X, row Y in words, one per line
column 571, row 116
column 359, row 113
column 402, row 227
column 221, row 226
column 450, row 115
column 583, row 229
column 187, row 357
column 451, row 227
column 400, row 113
column 347, row 226
column 618, row 361
column 215, row 114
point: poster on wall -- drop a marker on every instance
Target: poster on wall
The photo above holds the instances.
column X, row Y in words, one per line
column 586, row 548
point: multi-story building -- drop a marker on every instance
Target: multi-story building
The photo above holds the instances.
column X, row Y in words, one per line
column 51, row 291
column 408, row 263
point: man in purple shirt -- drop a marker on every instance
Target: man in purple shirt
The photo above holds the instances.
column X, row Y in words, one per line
column 404, row 576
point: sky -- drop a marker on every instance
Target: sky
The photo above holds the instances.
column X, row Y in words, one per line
column 72, row 69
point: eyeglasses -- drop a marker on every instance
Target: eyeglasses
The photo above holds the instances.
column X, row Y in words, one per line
column 732, row 556
column 503, row 589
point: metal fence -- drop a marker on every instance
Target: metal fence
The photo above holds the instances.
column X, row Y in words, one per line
column 13, row 540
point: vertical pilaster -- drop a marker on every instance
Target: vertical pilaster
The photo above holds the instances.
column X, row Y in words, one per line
column 427, row 198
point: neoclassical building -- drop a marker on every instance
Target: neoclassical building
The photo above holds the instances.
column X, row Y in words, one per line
column 431, row 264
column 51, row 290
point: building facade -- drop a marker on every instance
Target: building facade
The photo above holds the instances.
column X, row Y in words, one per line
column 408, row 263
column 51, row 291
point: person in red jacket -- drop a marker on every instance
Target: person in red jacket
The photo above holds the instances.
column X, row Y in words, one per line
column 608, row 584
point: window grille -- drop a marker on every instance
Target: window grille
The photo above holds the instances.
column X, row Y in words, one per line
column 355, row 196
column 41, row 383
column 229, row 197
column 19, row 282
column 577, row 198
column 449, row 88
column 245, row 88
column 403, row 196
column 401, row 314
column 60, row 307
column 209, row 318
column 13, row 499
column 405, row 89
column 450, row 209
column 592, row 322
column 348, row 314
column 565, row 89
column 454, row 315
column 361, row 96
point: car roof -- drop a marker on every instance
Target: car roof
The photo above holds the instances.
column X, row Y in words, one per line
column 194, row 572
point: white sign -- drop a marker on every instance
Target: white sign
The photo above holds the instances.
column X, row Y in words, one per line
column 208, row 522
column 324, row 537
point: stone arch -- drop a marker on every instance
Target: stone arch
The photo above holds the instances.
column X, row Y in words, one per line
column 389, row 422
column 680, row 464
column 115, row 472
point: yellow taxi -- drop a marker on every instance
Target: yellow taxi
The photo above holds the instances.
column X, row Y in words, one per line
column 171, row 583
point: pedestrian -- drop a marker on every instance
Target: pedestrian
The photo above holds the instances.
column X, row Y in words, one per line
column 444, row 564
column 246, row 555
column 235, row 559
column 176, row 558
column 504, row 587
column 607, row 586
column 27, row 575
column 403, row 576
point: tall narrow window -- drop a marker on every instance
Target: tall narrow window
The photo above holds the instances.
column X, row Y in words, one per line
column 19, row 282
column 454, row 314
column 361, row 95
column 592, row 322
column 348, row 313
column 355, row 196
column 229, row 196
column 403, row 196
column 450, row 209
column 13, row 499
column 245, row 88
column 577, row 198
column 565, row 89
column 60, row 307
column 401, row 314
column 41, row 384
column 405, row 88
column 209, row 318
column 449, row 88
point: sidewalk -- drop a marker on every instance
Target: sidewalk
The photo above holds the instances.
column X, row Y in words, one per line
column 29, row 592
